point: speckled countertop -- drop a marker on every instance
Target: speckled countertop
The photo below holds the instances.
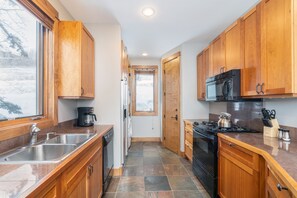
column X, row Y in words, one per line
column 195, row 120
column 18, row 180
column 284, row 153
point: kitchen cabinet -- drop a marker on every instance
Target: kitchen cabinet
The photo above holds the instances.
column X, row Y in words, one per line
column 76, row 61
column 278, row 47
column 124, row 62
column 275, row 187
column 233, row 44
column 200, row 77
column 218, row 55
column 239, row 171
column 251, row 47
column 84, row 177
column 203, row 64
column 188, row 130
column 51, row 189
column 94, row 180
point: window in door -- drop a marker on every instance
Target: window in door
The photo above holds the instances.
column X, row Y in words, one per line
column 145, row 90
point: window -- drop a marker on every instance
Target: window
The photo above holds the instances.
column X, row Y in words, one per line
column 145, row 90
column 21, row 62
column 28, row 87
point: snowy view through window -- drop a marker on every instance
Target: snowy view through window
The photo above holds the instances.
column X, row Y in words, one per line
column 145, row 91
column 18, row 62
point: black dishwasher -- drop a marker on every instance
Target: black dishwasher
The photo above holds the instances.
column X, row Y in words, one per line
column 107, row 159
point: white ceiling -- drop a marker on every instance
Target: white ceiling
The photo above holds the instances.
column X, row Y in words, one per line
column 175, row 21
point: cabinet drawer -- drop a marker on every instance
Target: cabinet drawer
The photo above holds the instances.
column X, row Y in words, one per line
column 189, row 136
column 188, row 150
column 274, row 184
column 189, row 125
column 245, row 156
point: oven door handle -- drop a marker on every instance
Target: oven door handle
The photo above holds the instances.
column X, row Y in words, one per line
column 205, row 136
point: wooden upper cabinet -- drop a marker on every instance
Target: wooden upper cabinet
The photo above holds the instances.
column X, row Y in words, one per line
column 200, row 77
column 76, row 61
column 251, row 49
column 278, row 47
column 124, row 62
column 233, row 45
column 203, row 64
column 218, row 55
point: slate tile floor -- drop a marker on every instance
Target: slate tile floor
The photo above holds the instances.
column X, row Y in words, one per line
column 152, row 171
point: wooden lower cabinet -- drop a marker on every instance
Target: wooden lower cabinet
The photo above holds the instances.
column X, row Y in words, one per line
column 275, row 187
column 188, row 140
column 79, row 178
column 239, row 171
column 51, row 190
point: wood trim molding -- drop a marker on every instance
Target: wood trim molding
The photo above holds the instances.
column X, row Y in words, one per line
column 146, row 139
column 117, row 171
column 154, row 71
column 169, row 58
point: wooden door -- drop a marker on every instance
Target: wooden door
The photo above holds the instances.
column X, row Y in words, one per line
column 77, row 188
column 218, row 55
column 233, row 46
column 251, row 73
column 87, row 65
column 95, row 176
column 236, row 179
column 171, row 103
column 276, row 48
column 200, row 76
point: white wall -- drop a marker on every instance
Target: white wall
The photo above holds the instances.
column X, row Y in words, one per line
column 107, row 80
column 286, row 110
column 66, row 108
column 191, row 108
column 148, row 126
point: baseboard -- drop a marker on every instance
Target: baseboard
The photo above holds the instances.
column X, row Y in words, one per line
column 117, row 171
column 146, row 139
column 182, row 154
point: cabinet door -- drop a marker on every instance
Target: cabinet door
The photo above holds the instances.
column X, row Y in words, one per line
column 218, row 55
column 233, row 46
column 77, row 188
column 251, row 73
column 95, row 176
column 276, row 48
column 88, row 65
column 272, row 181
column 200, row 77
column 51, row 190
column 236, row 179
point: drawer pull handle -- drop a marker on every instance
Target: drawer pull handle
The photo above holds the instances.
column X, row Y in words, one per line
column 230, row 144
column 280, row 188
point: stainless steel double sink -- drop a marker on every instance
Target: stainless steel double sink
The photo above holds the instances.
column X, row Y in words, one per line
column 49, row 151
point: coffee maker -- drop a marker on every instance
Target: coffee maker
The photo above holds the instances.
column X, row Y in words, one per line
column 86, row 117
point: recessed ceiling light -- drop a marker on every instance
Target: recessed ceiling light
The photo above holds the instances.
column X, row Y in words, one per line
column 144, row 54
column 148, row 12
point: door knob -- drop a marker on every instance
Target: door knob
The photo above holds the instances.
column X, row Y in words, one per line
column 176, row 117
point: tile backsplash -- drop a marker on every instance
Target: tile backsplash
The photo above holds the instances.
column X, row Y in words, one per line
column 246, row 114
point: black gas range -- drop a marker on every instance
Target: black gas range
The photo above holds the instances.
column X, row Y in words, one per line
column 205, row 148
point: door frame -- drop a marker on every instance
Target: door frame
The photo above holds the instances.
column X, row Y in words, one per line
column 165, row 60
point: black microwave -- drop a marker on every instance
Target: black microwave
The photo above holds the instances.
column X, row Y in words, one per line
column 224, row 86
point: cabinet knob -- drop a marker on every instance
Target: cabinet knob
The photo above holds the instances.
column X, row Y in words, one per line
column 230, row 144
column 280, row 187
column 82, row 91
column 262, row 88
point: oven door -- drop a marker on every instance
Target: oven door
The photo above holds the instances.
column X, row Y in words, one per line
column 205, row 147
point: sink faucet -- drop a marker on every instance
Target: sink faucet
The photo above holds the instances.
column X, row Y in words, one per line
column 34, row 131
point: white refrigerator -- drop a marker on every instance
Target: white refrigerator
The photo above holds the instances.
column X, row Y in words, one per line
column 126, row 123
